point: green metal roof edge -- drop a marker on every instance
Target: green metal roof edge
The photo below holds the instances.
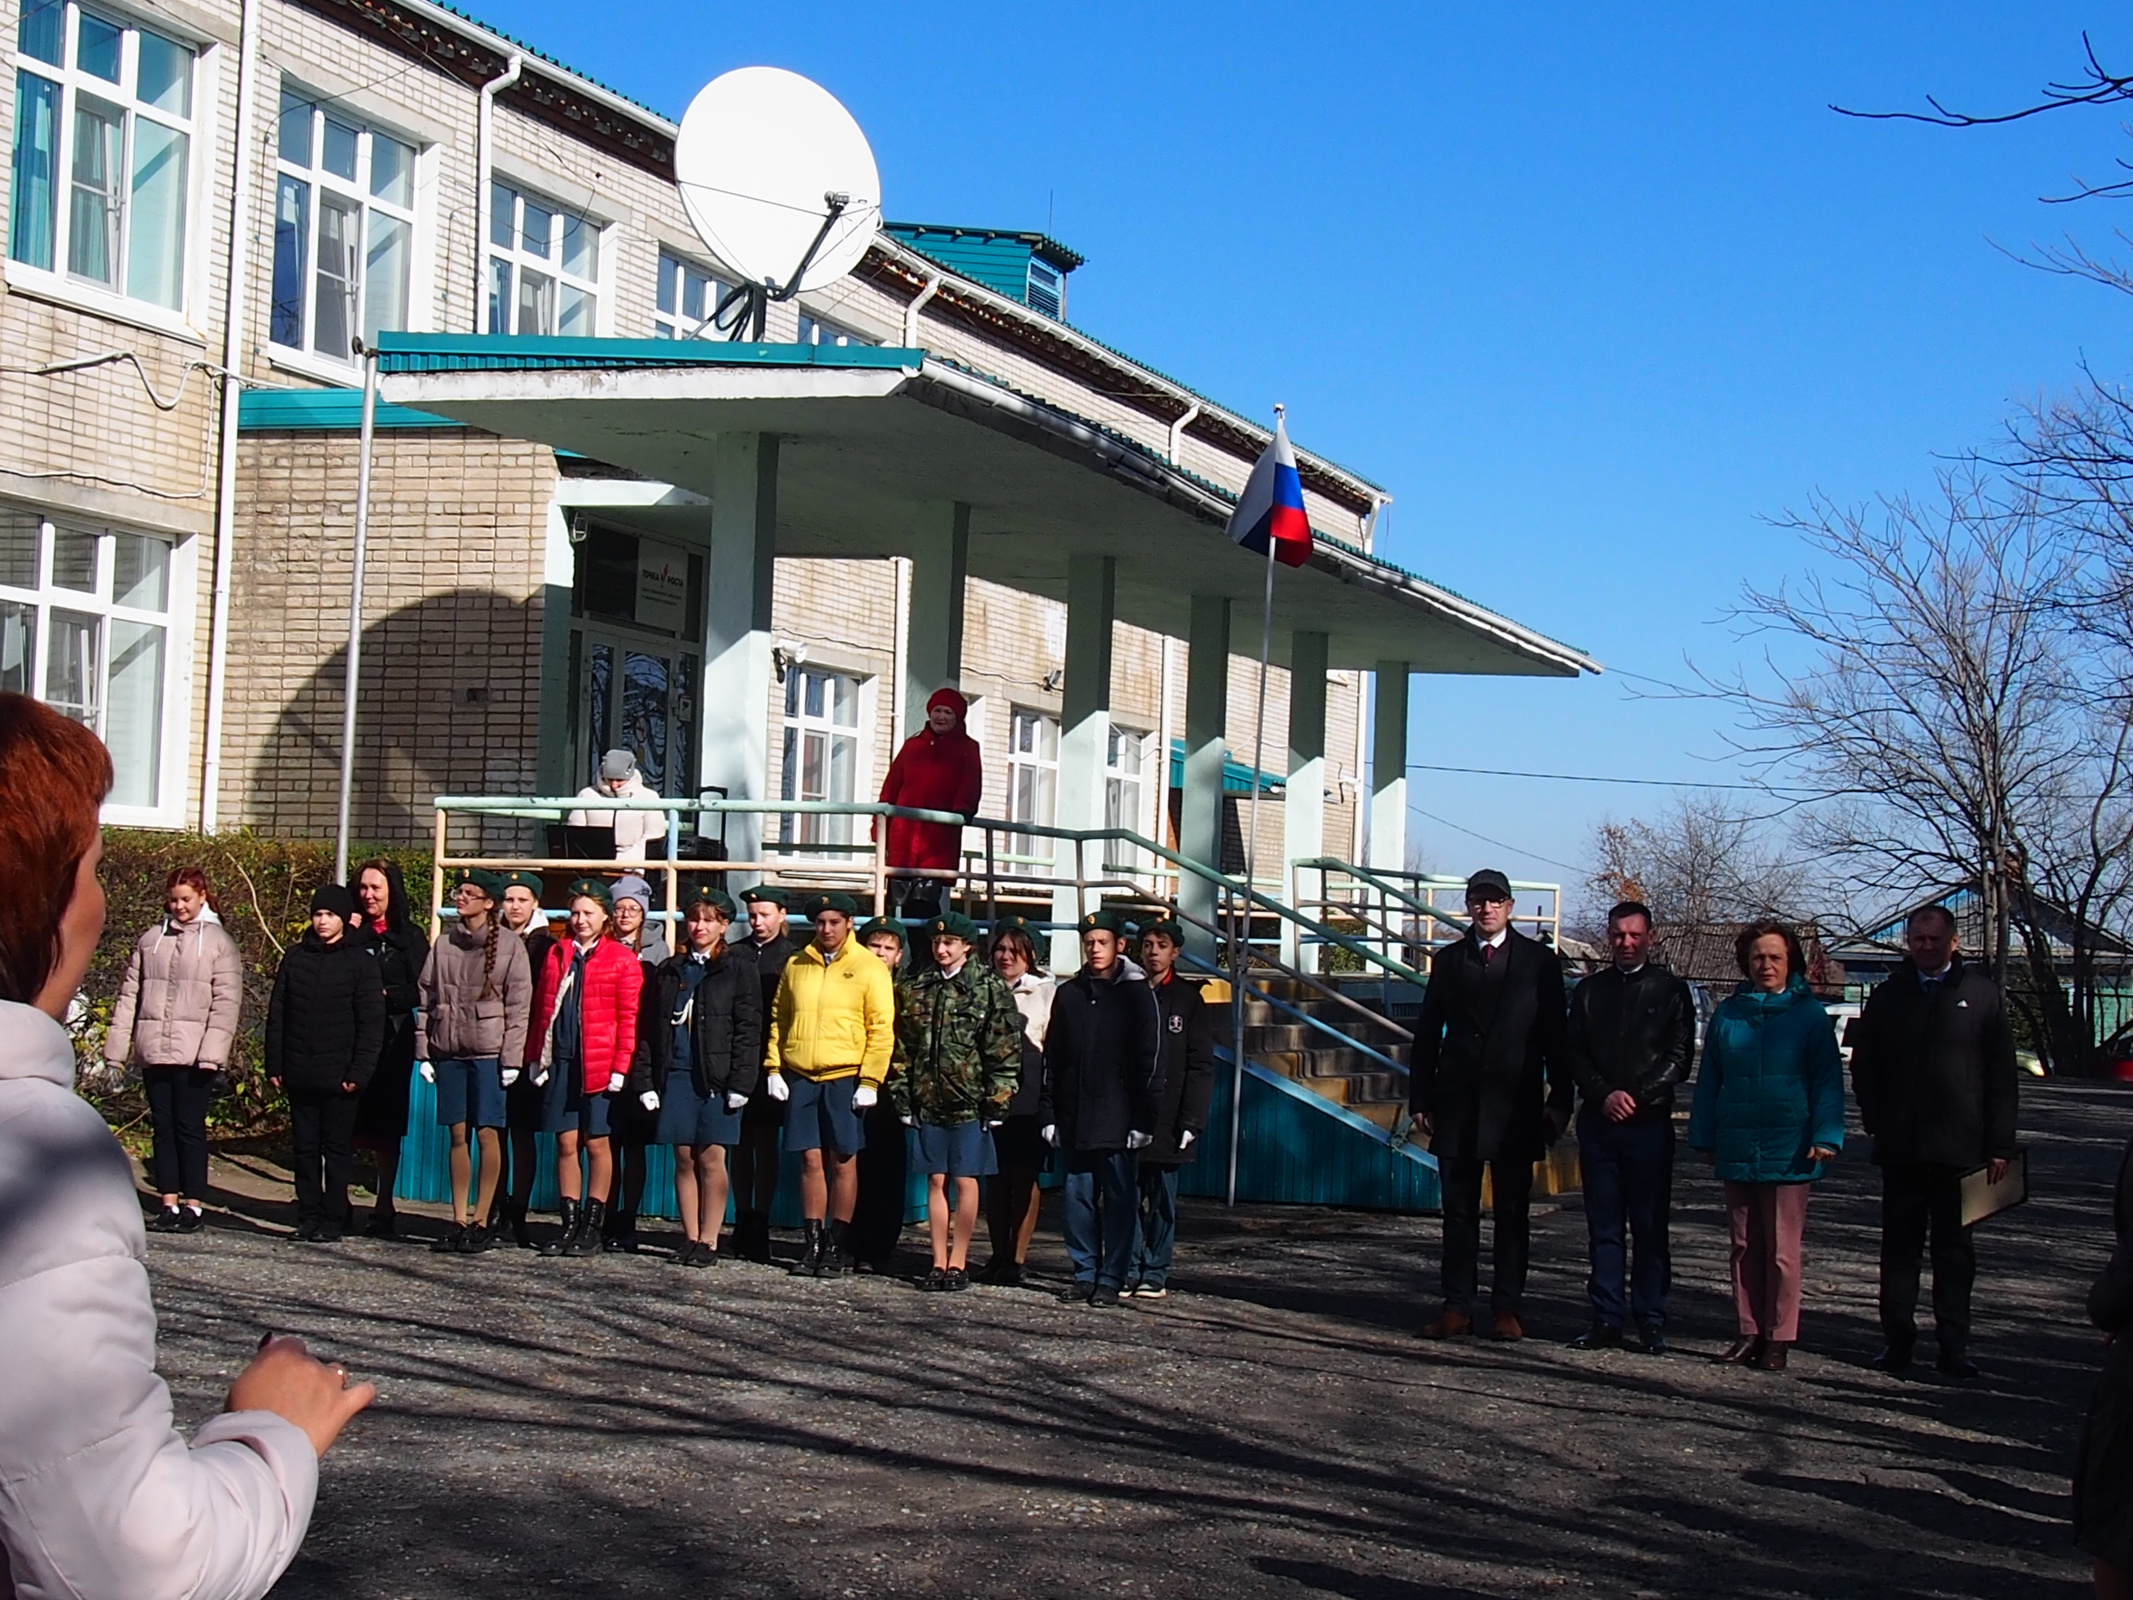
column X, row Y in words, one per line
column 667, row 123
column 1061, row 255
column 324, row 411
column 492, row 352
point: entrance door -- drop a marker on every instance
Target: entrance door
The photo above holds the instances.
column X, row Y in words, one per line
column 639, row 695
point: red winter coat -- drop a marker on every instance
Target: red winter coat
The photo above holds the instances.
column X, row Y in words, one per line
column 613, row 980
column 933, row 772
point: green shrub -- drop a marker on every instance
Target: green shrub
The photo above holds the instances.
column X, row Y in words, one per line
column 264, row 888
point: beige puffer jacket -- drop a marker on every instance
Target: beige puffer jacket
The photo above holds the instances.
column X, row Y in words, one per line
column 457, row 1020
column 179, row 1001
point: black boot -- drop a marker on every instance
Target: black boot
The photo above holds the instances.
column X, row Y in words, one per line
column 586, row 1241
column 838, row 1257
column 816, row 1240
column 515, row 1215
column 751, row 1236
column 560, row 1245
column 621, row 1233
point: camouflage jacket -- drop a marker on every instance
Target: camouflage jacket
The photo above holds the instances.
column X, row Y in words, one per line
column 958, row 1046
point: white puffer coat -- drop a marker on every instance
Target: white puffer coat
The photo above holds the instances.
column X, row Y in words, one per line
column 179, row 1001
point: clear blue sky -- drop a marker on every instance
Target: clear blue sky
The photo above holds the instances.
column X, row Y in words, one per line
column 1593, row 295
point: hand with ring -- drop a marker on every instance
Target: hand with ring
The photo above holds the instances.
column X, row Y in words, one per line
column 289, row 1381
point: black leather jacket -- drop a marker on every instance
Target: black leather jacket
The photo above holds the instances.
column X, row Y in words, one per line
column 1635, row 1032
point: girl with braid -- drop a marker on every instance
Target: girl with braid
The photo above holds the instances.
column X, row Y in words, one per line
column 476, row 995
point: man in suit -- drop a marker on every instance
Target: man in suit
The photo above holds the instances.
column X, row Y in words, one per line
column 1489, row 1085
column 1933, row 1068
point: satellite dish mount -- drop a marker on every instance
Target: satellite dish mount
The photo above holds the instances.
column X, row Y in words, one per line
column 742, row 311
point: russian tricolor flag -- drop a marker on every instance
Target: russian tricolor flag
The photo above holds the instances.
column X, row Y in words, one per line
column 1272, row 507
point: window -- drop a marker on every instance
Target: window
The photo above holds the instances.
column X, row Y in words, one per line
column 344, row 230
column 84, row 617
column 687, row 297
column 821, row 751
column 544, row 266
column 1032, row 778
column 813, row 330
column 1123, row 754
column 1047, row 288
column 103, row 152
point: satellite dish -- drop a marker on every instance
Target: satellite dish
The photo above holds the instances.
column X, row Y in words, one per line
column 778, row 182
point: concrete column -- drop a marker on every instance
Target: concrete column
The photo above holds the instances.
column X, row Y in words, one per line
column 1303, row 808
column 1084, row 729
column 737, row 628
column 1388, row 769
column 1206, row 748
column 933, row 657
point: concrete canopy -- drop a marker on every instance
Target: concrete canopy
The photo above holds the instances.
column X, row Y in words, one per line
column 874, row 441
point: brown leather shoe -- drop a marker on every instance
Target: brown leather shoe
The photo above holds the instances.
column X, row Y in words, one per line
column 1772, row 1356
column 1747, row 1348
column 1507, row 1328
column 1450, row 1324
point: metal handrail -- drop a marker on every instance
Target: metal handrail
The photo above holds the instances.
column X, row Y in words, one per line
column 1306, row 1018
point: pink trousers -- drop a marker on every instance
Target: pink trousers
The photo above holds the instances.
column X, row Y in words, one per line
column 1767, row 1221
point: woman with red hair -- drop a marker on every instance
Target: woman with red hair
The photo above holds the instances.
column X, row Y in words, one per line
column 98, row 1494
column 177, row 1016
column 938, row 769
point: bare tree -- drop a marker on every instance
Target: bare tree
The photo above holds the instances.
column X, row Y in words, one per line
column 1702, row 860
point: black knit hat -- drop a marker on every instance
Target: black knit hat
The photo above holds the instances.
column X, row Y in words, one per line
column 337, row 898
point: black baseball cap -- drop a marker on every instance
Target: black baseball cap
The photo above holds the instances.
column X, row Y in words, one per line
column 1488, row 884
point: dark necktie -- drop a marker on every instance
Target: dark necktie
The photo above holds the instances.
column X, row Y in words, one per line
column 1488, row 953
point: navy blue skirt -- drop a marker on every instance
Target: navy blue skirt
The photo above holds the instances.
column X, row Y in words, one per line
column 958, row 1149
column 567, row 1108
column 686, row 1117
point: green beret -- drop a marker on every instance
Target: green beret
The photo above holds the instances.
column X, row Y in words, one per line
column 709, row 894
column 820, row 903
column 955, row 925
column 519, row 878
column 894, row 930
column 1107, row 921
column 592, row 889
column 1167, row 929
column 481, row 878
column 768, row 893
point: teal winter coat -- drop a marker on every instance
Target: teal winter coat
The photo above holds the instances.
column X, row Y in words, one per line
column 1770, row 1088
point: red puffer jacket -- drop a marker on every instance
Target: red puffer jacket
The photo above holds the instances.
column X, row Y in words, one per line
column 612, row 982
column 934, row 772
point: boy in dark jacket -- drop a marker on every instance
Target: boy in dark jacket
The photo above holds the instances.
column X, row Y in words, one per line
column 1934, row 1070
column 325, row 1027
column 755, row 1159
column 1101, row 1087
column 1187, row 1072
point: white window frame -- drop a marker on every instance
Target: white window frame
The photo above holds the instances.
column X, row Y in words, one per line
column 319, row 182
column 799, row 831
column 1117, row 779
column 58, row 281
column 507, row 211
column 692, row 286
column 816, row 329
column 175, row 620
column 1032, row 778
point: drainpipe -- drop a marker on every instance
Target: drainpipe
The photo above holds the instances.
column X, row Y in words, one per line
column 1177, row 430
column 235, row 285
column 482, row 202
column 1378, row 503
column 918, row 304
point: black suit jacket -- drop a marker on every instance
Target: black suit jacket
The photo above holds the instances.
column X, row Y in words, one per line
column 1488, row 1053
column 1934, row 1073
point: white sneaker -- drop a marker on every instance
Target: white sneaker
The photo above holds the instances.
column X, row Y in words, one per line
column 1150, row 1291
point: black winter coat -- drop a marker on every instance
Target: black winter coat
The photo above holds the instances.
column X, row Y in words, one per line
column 770, row 962
column 2111, row 1295
column 326, row 1019
column 1633, row 1031
column 1488, row 1051
column 1102, row 1067
column 1187, row 1070
column 725, row 1027
column 1934, row 1074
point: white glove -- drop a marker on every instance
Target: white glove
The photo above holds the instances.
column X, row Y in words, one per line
column 1139, row 1141
column 776, row 1087
column 994, row 1123
column 540, row 1078
column 428, row 1071
column 1050, row 1131
column 864, row 1096
column 510, row 1076
column 736, row 1100
column 617, row 1082
column 649, row 1099
column 1185, row 1139
column 909, row 1122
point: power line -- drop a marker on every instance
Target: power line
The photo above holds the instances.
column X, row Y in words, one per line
column 1443, row 822
column 1587, row 777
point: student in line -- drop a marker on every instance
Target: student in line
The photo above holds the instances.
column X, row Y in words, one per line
column 177, row 1016
column 958, row 1059
column 699, row 1052
column 1186, row 1071
column 1013, row 1196
column 634, row 1130
column 585, row 1010
column 755, row 1159
column 325, row 1026
column 885, row 1164
column 475, row 997
column 520, row 909
column 386, row 928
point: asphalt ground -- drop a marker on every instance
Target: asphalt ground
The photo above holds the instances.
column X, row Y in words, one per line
column 623, row 1426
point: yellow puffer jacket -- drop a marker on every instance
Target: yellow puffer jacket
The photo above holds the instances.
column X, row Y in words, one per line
column 832, row 1019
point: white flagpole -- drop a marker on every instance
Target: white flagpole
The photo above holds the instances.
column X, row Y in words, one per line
column 1240, row 960
column 354, row 676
